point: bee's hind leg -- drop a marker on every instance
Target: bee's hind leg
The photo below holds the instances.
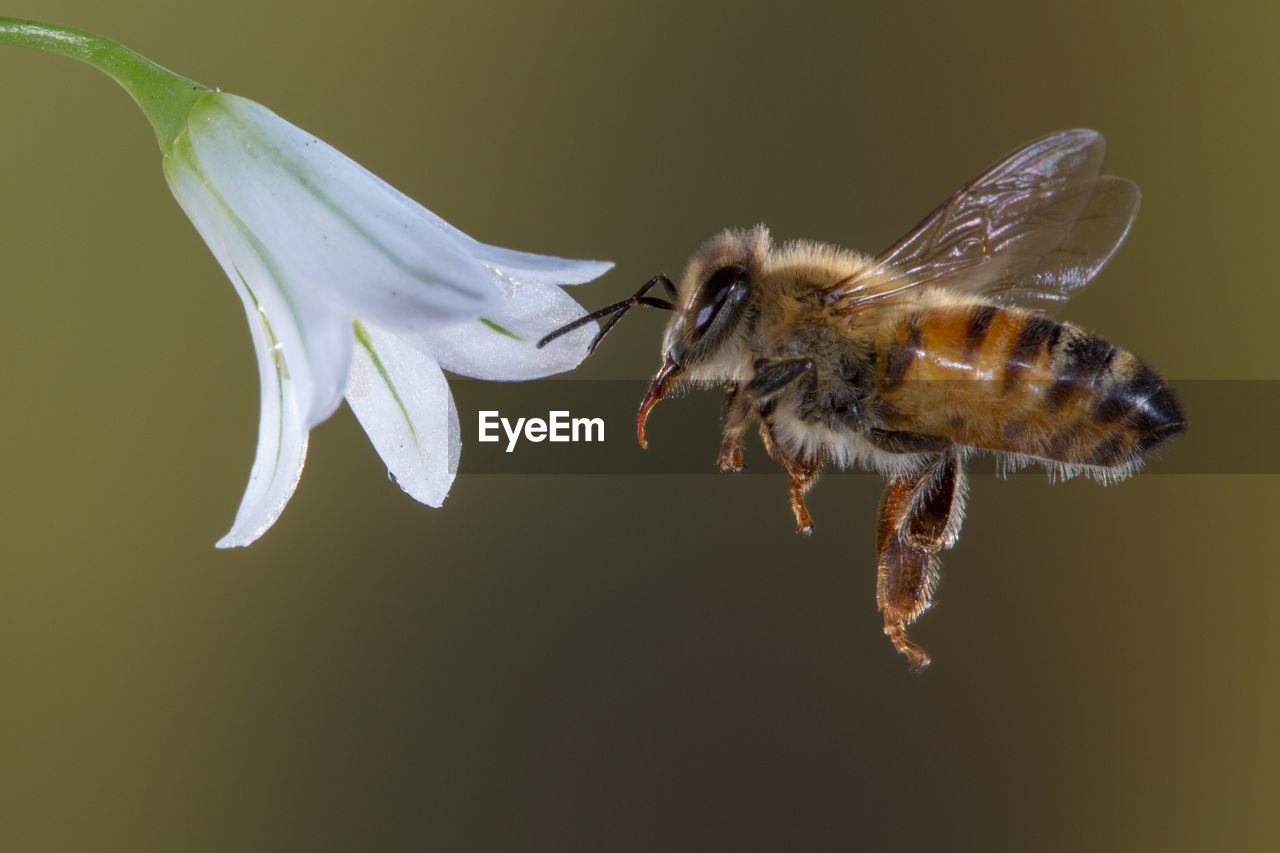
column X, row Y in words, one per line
column 920, row 515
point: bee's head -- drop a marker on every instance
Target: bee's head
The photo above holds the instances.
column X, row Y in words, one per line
column 706, row 339
column 713, row 304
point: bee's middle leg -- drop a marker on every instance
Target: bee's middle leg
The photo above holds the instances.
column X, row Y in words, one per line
column 761, row 393
column 803, row 470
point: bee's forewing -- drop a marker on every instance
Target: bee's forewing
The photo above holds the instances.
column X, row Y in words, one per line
column 1027, row 231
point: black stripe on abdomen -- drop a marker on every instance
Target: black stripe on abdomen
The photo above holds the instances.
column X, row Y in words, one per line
column 1037, row 333
column 905, row 350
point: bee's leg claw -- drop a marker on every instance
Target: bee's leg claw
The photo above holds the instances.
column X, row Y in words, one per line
column 731, row 454
column 897, row 634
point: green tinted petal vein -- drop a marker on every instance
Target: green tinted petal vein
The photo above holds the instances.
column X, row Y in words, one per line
column 500, row 330
column 362, row 338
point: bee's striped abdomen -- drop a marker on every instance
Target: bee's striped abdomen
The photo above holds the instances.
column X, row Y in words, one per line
column 1011, row 380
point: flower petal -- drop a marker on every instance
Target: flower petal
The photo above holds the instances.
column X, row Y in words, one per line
column 282, row 438
column 404, row 404
column 501, row 345
column 367, row 247
column 507, row 265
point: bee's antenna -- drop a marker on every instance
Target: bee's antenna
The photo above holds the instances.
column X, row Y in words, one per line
column 617, row 309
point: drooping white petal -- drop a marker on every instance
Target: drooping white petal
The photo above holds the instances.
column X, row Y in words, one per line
column 404, row 404
column 282, row 438
column 500, row 346
column 361, row 243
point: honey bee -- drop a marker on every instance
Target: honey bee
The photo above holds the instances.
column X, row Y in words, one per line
column 909, row 362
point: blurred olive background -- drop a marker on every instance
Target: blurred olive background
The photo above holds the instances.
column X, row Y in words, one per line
column 609, row 662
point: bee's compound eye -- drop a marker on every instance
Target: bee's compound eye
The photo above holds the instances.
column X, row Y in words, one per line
column 724, row 282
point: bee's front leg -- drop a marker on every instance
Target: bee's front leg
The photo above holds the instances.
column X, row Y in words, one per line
column 737, row 414
column 920, row 515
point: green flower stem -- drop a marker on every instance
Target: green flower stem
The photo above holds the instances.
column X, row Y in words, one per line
column 166, row 98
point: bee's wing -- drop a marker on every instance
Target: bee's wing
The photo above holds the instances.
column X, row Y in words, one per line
column 1027, row 231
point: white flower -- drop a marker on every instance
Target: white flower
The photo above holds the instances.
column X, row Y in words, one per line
column 351, row 288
